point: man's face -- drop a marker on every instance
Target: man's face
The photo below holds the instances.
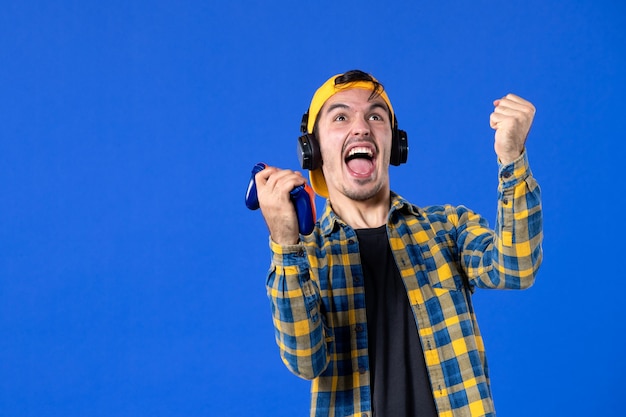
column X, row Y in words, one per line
column 354, row 134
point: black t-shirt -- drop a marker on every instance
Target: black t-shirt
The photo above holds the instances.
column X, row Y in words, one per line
column 399, row 379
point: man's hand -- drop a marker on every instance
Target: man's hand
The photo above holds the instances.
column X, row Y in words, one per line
column 273, row 186
column 511, row 119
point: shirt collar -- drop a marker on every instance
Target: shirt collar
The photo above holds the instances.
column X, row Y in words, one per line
column 329, row 220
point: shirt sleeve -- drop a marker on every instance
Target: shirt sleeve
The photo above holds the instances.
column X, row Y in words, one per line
column 295, row 300
column 510, row 255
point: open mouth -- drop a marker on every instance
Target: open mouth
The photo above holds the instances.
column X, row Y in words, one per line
column 360, row 160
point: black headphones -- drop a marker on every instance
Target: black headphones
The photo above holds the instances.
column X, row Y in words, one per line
column 309, row 149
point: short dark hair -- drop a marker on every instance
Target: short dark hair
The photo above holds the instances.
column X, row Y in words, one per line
column 358, row 75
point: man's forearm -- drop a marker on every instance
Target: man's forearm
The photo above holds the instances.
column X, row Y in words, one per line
column 298, row 322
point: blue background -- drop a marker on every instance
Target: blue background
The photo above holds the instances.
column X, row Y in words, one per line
column 131, row 273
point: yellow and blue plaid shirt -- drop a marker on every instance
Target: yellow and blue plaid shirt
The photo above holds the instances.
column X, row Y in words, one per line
column 443, row 253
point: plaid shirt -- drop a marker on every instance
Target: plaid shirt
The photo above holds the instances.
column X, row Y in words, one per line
column 443, row 253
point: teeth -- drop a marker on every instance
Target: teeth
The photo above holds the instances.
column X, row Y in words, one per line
column 360, row 150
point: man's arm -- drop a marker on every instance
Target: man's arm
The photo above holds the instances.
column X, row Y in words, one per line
column 509, row 256
column 299, row 324
column 294, row 296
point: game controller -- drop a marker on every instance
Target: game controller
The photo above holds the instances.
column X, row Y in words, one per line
column 302, row 197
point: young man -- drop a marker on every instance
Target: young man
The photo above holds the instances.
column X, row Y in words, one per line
column 374, row 306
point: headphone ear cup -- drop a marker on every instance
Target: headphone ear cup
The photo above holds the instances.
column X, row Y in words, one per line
column 309, row 152
column 399, row 147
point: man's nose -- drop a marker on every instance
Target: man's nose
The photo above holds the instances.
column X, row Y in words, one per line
column 360, row 127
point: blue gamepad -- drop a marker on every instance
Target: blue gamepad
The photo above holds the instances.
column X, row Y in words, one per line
column 302, row 197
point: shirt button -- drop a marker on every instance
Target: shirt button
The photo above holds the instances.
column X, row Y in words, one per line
column 358, row 328
column 506, row 174
column 505, row 201
column 362, row 370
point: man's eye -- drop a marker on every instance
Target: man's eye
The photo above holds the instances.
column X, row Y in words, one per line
column 340, row 118
column 376, row 117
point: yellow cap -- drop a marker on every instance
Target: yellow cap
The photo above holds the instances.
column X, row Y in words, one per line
column 326, row 91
